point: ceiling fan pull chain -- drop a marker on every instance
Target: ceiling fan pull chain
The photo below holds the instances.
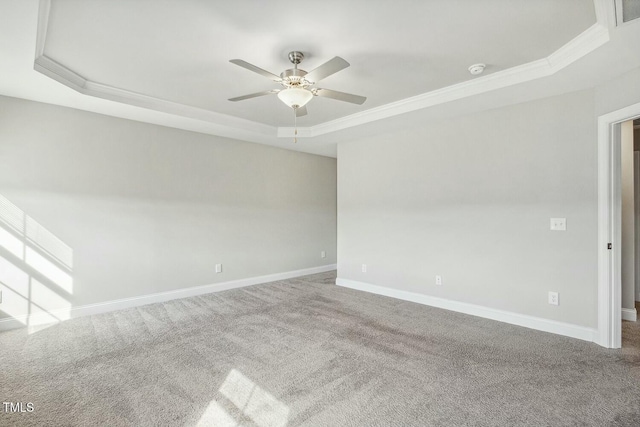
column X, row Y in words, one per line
column 295, row 125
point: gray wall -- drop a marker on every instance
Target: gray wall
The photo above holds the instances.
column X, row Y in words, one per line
column 147, row 209
column 618, row 93
column 470, row 199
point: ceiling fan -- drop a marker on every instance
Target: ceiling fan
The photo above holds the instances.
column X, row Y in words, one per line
column 299, row 85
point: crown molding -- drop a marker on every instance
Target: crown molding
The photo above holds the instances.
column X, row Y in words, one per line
column 43, row 24
column 582, row 45
column 228, row 125
column 586, row 42
column 59, row 73
column 234, row 127
column 484, row 84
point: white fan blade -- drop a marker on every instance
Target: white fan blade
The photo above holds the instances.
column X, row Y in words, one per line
column 254, row 95
column 325, row 70
column 251, row 67
column 341, row 96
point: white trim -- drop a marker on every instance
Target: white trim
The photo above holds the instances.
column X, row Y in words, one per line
column 585, row 43
column 537, row 323
column 60, row 73
column 605, row 13
column 636, row 223
column 50, row 68
column 609, row 299
column 594, row 37
column 619, row 15
column 43, row 23
column 629, row 314
column 120, row 304
column 477, row 86
column 618, row 7
column 233, row 127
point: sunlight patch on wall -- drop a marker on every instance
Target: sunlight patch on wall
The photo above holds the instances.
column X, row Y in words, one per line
column 46, row 307
column 35, row 271
column 49, row 270
column 44, row 300
column 14, row 304
column 11, row 243
column 14, row 278
column 48, row 242
column 37, row 235
column 14, row 284
column 11, row 215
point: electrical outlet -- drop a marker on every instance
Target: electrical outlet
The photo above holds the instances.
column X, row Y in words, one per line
column 438, row 280
column 364, row 268
column 323, row 254
column 553, row 298
column 218, row 268
column 558, row 224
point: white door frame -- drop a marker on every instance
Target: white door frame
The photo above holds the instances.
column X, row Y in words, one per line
column 609, row 206
column 636, row 224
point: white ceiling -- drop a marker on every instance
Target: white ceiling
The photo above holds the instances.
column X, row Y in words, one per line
column 180, row 50
column 167, row 62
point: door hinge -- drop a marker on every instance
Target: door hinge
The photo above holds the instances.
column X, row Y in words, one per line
column 609, row 246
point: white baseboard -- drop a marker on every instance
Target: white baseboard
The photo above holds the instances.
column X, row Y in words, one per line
column 538, row 323
column 104, row 307
column 629, row 314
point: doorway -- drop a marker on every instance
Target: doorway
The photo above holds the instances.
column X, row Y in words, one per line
column 610, row 225
column 628, row 225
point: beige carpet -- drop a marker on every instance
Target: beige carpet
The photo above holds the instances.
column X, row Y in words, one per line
column 307, row 352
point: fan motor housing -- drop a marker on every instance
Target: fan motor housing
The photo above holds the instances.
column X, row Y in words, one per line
column 294, row 77
column 293, row 72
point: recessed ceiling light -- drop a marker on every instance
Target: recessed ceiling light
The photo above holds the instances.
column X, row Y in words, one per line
column 476, row 69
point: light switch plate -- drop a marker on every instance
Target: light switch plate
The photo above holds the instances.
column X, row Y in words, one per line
column 218, row 268
column 558, row 224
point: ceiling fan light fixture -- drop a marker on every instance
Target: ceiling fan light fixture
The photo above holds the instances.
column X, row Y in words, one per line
column 295, row 97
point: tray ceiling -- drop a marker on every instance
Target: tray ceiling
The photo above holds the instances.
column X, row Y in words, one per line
column 167, row 62
column 180, row 51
